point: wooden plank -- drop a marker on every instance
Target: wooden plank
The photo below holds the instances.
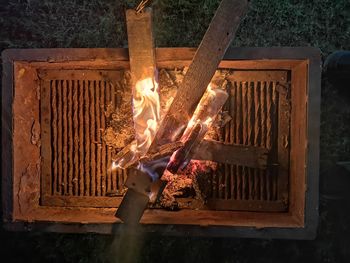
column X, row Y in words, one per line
column 203, row 117
column 215, row 42
column 250, row 156
column 211, row 50
column 143, row 68
column 141, row 46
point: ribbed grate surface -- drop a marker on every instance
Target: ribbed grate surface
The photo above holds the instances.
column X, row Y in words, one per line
column 77, row 162
column 80, row 159
column 253, row 107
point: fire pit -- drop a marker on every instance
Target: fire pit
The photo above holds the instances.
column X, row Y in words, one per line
column 67, row 115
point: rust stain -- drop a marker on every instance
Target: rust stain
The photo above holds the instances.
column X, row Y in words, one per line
column 27, row 194
column 35, row 133
column 21, row 73
column 20, row 189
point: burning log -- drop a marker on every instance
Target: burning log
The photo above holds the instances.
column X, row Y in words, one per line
column 210, row 52
column 146, row 101
column 164, row 151
column 146, row 112
column 205, row 62
column 209, row 106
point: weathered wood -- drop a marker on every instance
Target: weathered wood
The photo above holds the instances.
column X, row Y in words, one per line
column 215, row 42
column 126, row 157
column 163, row 151
column 143, row 68
column 204, row 115
column 250, row 156
column 179, row 157
column 140, row 44
column 204, row 64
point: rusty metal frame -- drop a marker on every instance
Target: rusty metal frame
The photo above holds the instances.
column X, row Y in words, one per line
column 299, row 223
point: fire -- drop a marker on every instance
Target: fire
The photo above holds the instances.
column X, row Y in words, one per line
column 210, row 94
column 146, row 113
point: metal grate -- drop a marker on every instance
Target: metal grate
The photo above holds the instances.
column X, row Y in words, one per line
column 79, row 160
column 255, row 105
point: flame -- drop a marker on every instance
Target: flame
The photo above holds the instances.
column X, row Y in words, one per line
column 194, row 120
column 146, row 111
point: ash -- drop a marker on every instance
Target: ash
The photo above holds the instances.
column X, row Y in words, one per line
column 189, row 187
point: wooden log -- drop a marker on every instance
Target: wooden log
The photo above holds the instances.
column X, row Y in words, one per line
column 211, row 50
column 126, row 157
column 143, row 74
column 205, row 62
column 179, row 157
column 163, row 151
column 143, row 69
column 207, row 109
column 142, row 66
column 250, row 156
column 141, row 44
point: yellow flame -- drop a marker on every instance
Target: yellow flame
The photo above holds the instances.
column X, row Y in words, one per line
column 194, row 120
column 146, row 111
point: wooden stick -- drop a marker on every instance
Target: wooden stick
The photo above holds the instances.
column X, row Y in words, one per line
column 250, row 156
column 164, row 151
column 207, row 109
column 216, row 40
column 141, row 44
column 206, row 60
column 143, row 73
column 143, row 68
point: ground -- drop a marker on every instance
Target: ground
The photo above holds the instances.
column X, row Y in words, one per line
column 100, row 23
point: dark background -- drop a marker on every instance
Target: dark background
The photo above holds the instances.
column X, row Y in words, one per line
column 101, row 23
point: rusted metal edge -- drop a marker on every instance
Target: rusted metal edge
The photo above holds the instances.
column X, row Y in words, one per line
column 6, row 136
column 313, row 144
column 280, row 53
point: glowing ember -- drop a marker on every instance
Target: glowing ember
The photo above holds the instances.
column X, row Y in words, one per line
column 146, row 113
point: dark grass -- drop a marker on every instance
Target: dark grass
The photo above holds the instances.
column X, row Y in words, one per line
column 100, row 23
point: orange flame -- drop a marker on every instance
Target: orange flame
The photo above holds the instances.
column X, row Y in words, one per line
column 194, row 120
column 146, row 111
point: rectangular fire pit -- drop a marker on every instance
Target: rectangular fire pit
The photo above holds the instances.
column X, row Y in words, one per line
column 66, row 113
